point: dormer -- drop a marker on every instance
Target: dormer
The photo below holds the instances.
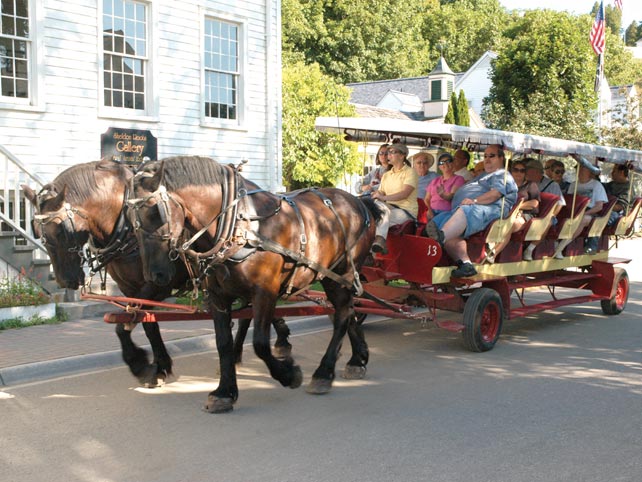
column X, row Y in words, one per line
column 441, row 82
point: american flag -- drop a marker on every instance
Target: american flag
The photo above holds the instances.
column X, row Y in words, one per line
column 618, row 4
column 597, row 36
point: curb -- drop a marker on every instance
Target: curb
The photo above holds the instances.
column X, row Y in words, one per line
column 36, row 371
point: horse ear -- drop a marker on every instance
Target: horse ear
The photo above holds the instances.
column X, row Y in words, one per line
column 29, row 193
column 59, row 199
column 157, row 179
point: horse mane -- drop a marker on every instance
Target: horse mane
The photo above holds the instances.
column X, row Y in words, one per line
column 81, row 179
column 181, row 171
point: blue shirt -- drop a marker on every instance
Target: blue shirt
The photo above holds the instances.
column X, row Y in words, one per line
column 423, row 183
column 484, row 183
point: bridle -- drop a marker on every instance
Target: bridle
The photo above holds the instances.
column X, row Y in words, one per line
column 163, row 199
column 66, row 214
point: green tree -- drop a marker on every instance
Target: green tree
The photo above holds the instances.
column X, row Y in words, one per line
column 541, row 77
column 357, row 40
column 465, row 29
column 310, row 157
column 631, row 34
column 463, row 118
column 451, row 114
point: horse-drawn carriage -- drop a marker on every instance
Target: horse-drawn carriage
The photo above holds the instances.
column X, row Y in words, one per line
column 192, row 221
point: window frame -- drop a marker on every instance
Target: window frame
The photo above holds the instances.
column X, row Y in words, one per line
column 150, row 113
column 242, row 27
column 34, row 100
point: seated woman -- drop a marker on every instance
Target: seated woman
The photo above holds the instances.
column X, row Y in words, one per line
column 528, row 192
column 475, row 205
column 397, row 195
column 442, row 189
column 370, row 182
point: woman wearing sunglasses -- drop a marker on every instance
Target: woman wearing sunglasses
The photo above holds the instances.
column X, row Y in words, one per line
column 442, row 189
column 370, row 182
column 528, row 192
column 397, row 195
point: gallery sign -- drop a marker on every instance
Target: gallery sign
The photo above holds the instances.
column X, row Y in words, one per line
column 130, row 146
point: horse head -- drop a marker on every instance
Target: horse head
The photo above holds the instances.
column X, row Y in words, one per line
column 158, row 219
column 63, row 230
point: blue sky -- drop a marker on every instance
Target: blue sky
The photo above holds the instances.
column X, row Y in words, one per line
column 631, row 11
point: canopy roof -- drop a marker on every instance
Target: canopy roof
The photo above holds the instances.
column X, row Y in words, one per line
column 425, row 134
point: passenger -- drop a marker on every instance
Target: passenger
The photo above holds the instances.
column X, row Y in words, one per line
column 528, row 192
column 442, row 189
column 475, row 205
column 557, row 174
column 590, row 187
column 620, row 187
column 397, row 195
column 370, row 182
column 422, row 162
column 478, row 169
column 462, row 158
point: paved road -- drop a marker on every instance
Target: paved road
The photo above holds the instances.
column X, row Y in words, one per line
column 558, row 399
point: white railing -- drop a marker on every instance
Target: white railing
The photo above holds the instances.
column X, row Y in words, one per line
column 16, row 211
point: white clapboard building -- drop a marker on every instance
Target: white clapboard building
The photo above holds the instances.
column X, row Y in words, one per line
column 80, row 79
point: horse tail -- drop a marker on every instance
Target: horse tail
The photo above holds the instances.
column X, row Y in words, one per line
column 371, row 205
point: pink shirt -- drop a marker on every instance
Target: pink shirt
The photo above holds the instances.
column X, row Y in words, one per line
column 436, row 201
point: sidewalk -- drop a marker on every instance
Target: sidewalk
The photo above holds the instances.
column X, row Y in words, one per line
column 86, row 342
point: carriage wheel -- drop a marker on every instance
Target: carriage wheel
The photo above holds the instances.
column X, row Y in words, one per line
column 616, row 304
column 483, row 319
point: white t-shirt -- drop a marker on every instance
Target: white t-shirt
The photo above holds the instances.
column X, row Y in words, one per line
column 592, row 189
column 465, row 173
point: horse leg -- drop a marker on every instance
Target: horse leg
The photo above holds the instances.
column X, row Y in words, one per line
column 162, row 360
column 134, row 356
column 283, row 370
column 356, row 367
column 239, row 339
column 282, row 347
column 342, row 301
column 222, row 399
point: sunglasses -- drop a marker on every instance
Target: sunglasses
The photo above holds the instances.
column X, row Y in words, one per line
column 441, row 163
column 393, row 151
column 490, row 156
column 518, row 169
column 382, row 153
column 548, row 168
column 559, row 171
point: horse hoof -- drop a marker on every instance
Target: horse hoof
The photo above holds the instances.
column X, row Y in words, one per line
column 319, row 386
column 218, row 405
column 352, row 372
column 149, row 377
column 282, row 352
column 167, row 377
column 297, row 377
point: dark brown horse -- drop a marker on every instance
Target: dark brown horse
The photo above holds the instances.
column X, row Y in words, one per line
column 255, row 246
column 85, row 204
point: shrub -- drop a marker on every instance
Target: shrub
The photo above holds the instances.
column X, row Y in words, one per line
column 21, row 291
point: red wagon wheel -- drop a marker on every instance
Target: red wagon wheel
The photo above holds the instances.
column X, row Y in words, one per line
column 483, row 319
column 616, row 304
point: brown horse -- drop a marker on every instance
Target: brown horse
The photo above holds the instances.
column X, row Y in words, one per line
column 85, row 204
column 258, row 247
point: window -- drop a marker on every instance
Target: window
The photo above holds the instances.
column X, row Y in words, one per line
column 125, row 54
column 222, row 69
column 449, row 88
column 435, row 90
column 15, row 49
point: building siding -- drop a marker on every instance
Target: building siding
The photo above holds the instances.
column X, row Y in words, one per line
column 65, row 128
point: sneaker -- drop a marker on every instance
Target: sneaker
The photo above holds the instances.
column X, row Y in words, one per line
column 432, row 231
column 464, row 271
column 558, row 255
column 379, row 245
column 527, row 256
column 589, row 251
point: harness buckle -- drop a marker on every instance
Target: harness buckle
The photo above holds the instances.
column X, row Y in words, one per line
column 304, row 239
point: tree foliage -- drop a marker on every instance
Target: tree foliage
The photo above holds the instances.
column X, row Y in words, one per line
column 465, row 29
column 625, row 129
column 451, row 114
column 310, row 157
column 357, row 40
column 463, row 117
column 631, row 34
column 540, row 77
